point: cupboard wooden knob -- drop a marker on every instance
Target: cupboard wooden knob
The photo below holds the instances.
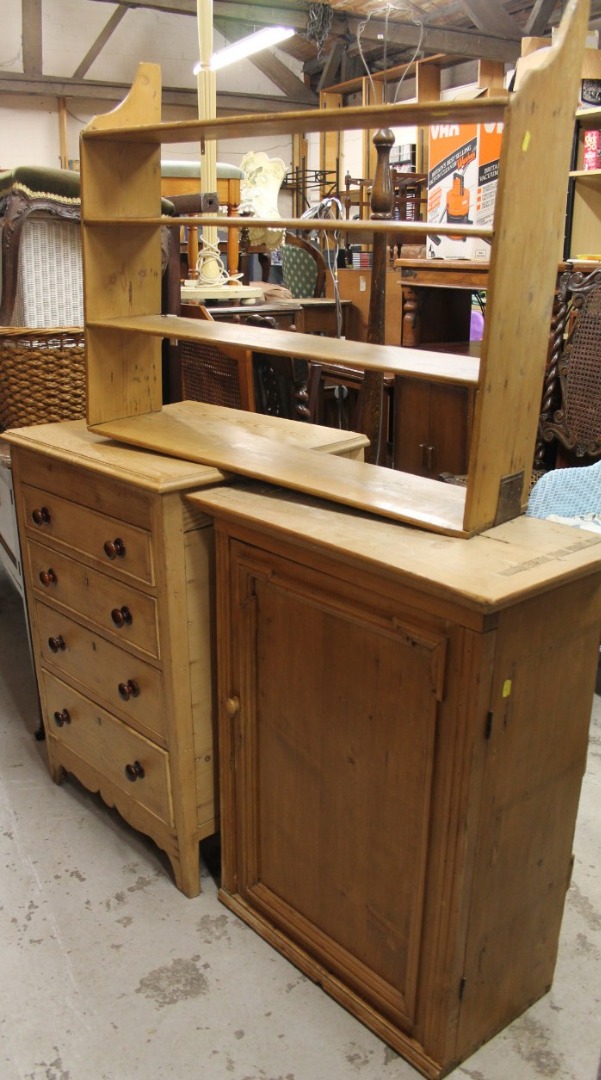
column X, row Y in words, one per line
column 134, row 772
column 41, row 516
column 232, row 706
column 57, row 644
column 114, row 549
column 48, row 577
column 128, row 689
column 121, row 616
column 61, row 718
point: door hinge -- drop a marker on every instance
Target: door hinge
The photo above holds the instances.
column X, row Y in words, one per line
column 488, row 728
column 462, row 987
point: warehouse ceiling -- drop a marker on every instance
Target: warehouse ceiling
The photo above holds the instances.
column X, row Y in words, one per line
column 334, row 41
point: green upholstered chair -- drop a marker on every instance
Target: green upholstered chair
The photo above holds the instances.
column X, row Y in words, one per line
column 41, row 281
column 303, row 267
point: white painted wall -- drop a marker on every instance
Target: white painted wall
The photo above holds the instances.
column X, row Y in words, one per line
column 29, row 126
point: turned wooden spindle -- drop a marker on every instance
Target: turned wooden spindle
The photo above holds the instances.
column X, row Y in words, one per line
column 372, row 389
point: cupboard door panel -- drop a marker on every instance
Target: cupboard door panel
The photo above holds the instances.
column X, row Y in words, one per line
column 432, row 427
column 357, row 891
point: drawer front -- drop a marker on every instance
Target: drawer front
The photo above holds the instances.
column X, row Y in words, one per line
column 123, row 681
column 127, row 613
column 129, row 761
column 113, row 543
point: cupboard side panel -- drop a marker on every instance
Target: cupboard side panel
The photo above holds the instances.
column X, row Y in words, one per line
column 535, row 759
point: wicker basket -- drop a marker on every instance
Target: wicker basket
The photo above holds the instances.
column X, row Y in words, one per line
column 42, row 375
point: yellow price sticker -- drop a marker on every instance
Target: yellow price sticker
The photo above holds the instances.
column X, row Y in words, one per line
column 507, row 688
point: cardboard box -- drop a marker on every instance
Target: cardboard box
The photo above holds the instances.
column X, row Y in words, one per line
column 462, row 186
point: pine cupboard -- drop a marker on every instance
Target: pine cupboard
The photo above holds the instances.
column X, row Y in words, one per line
column 403, row 724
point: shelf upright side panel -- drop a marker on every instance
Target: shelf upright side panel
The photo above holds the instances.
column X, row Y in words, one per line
column 529, row 221
column 122, row 267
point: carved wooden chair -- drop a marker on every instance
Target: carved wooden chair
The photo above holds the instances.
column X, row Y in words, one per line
column 570, row 420
column 240, row 379
column 282, row 382
column 211, row 373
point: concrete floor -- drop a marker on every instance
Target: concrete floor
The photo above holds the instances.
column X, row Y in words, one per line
column 108, row 973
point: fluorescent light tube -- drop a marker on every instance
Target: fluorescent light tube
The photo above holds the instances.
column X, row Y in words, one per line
column 239, row 50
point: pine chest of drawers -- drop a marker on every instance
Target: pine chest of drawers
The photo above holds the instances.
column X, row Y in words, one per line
column 118, row 576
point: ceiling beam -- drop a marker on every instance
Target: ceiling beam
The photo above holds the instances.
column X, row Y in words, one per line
column 255, row 13
column 490, row 17
column 269, row 64
column 468, row 43
column 100, row 42
column 31, row 15
column 12, row 82
column 331, row 65
column 538, row 20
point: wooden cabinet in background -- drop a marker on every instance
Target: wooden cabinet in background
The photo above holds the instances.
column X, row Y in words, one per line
column 431, row 427
column 355, row 286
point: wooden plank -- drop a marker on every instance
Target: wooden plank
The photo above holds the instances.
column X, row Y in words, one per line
column 478, row 110
column 328, row 225
column 521, row 285
column 371, row 488
column 72, row 442
column 413, row 363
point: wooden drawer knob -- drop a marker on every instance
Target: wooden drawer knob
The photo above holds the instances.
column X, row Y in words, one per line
column 48, row 577
column 128, row 689
column 61, row 718
column 232, row 706
column 57, row 644
column 122, row 616
column 134, row 772
column 114, row 549
column 41, row 516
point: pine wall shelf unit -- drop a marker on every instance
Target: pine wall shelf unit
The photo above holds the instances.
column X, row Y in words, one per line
column 121, row 222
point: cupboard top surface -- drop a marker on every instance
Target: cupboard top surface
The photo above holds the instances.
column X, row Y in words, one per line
column 486, row 572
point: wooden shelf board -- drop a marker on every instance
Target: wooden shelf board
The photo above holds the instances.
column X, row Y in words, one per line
column 374, row 489
column 586, row 174
column 436, row 366
column 301, row 121
column 594, row 115
column 220, row 221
